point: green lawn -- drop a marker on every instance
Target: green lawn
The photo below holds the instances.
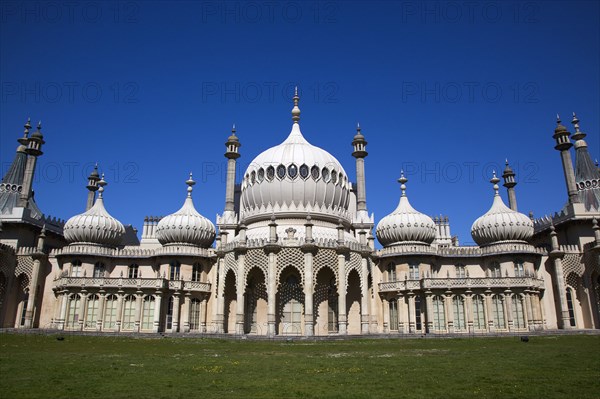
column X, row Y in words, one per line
column 36, row 366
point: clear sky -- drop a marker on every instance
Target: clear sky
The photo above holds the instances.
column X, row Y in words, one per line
column 446, row 91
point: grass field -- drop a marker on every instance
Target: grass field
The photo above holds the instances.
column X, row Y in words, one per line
column 38, row 366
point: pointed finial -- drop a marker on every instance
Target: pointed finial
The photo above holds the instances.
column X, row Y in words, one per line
column 575, row 122
column 494, row 180
column 358, row 126
column 402, row 180
column 233, row 129
column 39, row 125
column 296, row 110
column 27, row 125
column 190, row 182
column 506, row 161
column 101, row 185
column 596, row 162
column 558, row 119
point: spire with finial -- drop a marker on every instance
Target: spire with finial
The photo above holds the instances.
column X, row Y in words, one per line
column 101, row 185
column 190, row 182
column 296, row 110
column 402, row 180
column 494, row 180
column 509, row 182
column 578, row 135
column 25, row 137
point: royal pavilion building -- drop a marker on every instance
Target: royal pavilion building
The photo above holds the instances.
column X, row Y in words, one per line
column 293, row 254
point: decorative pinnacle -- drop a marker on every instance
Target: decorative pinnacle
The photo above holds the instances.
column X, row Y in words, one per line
column 575, row 122
column 494, row 180
column 558, row 119
column 296, row 110
column 402, row 180
column 101, row 185
column 27, row 126
column 596, row 162
column 233, row 129
column 358, row 127
column 39, row 125
column 190, row 182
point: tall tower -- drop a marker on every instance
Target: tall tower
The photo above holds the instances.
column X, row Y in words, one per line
column 34, row 150
column 588, row 192
column 232, row 154
column 92, row 186
column 509, row 182
column 359, row 144
column 563, row 144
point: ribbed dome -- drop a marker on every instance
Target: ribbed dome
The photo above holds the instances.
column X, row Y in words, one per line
column 94, row 226
column 186, row 226
column 501, row 223
column 405, row 224
column 295, row 176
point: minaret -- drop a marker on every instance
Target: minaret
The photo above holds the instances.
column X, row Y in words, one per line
column 563, row 144
column 509, row 182
column 232, row 154
column 586, row 172
column 34, row 150
column 360, row 152
column 92, row 186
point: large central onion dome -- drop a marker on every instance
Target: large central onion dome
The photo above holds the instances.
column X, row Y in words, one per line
column 294, row 178
column 186, row 226
column 405, row 225
column 95, row 226
column 501, row 223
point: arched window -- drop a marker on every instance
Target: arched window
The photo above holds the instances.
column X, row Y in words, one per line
column 128, row 313
column 261, row 175
column 133, row 270
column 99, row 270
column 519, row 269
column 174, row 270
column 325, row 174
column 304, row 171
column 270, row 173
column 391, row 272
column 498, row 311
column 458, row 306
column 148, row 312
column 518, row 314
column 110, row 312
column 332, row 307
column 73, row 310
column 169, row 323
column 570, row 307
column 195, row 314
column 439, row 314
column 292, row 171
column 393, row 305
column 196, row 271
column 91, row 311
column 281, row 171
column 76, row 268
column 478, row 313
column 315, row 173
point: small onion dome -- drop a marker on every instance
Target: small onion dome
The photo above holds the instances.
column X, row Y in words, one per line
column 501, row 223
column 186, row 226
column 95, row 226
column 405, row 224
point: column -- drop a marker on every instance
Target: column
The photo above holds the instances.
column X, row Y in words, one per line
column 308, row 293
column 488, row 311
column 203, row 315
column 271, row 294
column 157, row 306
column 364, row 298
column 81, row 311
column 508, row 310
column 449, row 312
column 101, row 300
column 119, row 310
column 138, row 310
column 412, row 316
column 175, row 324
column 386, row 315
column 529, row 310
column 429, row 312
column 240, row 289
column 469, row 310
column 63, row 310
column 186, row 312
column 29, row 311
column 342, row 317
column 220, row 316
column 401, row 313
column 563, row 317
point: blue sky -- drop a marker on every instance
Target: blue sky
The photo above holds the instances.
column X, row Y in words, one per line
column 446, row 91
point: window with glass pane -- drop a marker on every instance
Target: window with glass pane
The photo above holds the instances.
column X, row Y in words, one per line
column 439, row 314
column 391, row 270
column 196, row 271
column 73, row 310
column 169, row 315
column 99, row 270
column 332, row 312
column 91, row 312
column 519, row 269
column 413, row 270
column 418, row 324
column 174, row 270
column 495, row 270
column 498, row 311
column 132, row 271
column 393, row 305
column 281, row 171
column 458, row 304
column 195, row 309
column 76, row 268
column 518, row 314
column 24, row 308
column 110, row 312
column 148, row 313
column 128, row 313
column 478, row 313
column 460, row 271
column 570, row 307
